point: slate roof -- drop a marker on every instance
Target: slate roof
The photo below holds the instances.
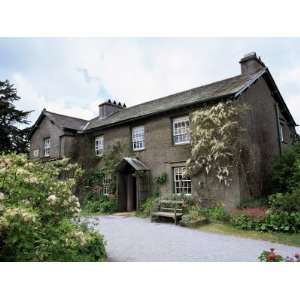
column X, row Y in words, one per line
column 62, row 121
column 221, row 89
column 135, row 163
column 66, row 122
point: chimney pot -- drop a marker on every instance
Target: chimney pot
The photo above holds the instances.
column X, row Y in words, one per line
column 250, row 64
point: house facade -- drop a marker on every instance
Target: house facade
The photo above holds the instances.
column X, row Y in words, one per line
column 155, row 138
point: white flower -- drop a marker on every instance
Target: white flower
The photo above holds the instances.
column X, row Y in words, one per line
column 52, row 199
column 1, row 196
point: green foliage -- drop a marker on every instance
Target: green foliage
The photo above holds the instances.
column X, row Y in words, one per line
column 286, row 170
column 99, row 204
column 147, row 206
column 277, row 221
column 270, row 256
column 38, row 212
column 158, row 182
column 194, row 217
column 12, row 138
column 289, row 202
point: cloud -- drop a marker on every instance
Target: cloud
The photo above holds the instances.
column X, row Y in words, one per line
column 72, row 76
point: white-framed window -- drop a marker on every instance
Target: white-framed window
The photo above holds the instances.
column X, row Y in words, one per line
column 99, row 145
column 182, row 184
column 138, row 138
column 281, row 131
column 36, row 153
column 181, row 130
column 47, row 146
column 106, row 184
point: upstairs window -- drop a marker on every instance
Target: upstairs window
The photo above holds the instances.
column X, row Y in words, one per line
column 181, row 130
column 138, row 138
column 182, row 184
column 47, row 146
column 99, row 145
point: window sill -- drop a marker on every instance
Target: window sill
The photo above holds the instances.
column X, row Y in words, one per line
column 138, row 150
column 182, row 144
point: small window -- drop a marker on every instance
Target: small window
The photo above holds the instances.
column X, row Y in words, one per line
column 47, row 146
column 181, row 130
column 99, row 145
column 138, row 142
column 182, row 184
column 281, row 133
column 36, row 153
column 107, row 183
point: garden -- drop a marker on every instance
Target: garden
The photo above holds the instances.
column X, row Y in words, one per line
column 39, row 213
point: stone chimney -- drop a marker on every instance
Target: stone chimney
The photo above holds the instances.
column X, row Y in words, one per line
column 250, row 64
column 108, row 108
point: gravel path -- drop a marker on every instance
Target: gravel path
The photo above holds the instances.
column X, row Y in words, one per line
column 136, row 239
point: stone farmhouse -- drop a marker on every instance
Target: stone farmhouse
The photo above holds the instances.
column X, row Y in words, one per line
column 157, row 139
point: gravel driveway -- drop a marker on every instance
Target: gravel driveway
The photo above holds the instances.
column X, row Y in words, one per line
column 135, row 239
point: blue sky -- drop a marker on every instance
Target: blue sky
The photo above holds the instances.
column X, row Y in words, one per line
column 73, row 75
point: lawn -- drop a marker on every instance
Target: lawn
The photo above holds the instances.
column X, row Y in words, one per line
column 292, row 239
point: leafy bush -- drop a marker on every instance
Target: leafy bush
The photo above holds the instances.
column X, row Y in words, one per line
column 289, row 202
column 280, row 221
column 38, row 213
column 286, row 170
column 99, row 204
column 194, row 217
column 146, row 207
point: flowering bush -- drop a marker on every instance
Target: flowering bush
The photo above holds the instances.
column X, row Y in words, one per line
column 215, row 140
column 38, row 212
column 272, row 256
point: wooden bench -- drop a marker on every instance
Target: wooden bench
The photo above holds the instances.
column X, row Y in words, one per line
column 167, row 209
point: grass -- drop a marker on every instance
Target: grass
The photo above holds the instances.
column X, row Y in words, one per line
column 292, row 239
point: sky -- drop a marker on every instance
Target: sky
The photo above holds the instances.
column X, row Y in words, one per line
column 73, row 76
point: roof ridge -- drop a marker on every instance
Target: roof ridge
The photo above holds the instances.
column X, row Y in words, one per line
column 53, row 113
column 189, row 90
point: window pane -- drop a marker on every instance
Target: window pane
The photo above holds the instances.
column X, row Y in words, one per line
column 138, row 138
column 183, row 185
column 181, row 128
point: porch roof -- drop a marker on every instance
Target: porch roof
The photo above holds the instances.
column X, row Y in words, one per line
column 135, row 163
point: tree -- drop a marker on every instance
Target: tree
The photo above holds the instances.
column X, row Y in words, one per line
column 12, row 138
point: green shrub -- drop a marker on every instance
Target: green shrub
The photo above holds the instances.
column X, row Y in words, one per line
column 147, row 206
column 286, row 170
column 99, row 204
column 194, row 217
column 289, row 202
column 38, row 213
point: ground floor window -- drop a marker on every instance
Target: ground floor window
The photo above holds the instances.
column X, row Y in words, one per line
column 182, row 184
column 106, row 184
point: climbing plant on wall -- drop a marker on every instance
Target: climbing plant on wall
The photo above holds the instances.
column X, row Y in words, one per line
column 215, row 140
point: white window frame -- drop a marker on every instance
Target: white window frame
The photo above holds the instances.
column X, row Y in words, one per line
column 182, row 185
column 181, row 130
column 47, row 147
column 99, row 145
column 36, row 153
column 138, row 138
column 106, row 185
